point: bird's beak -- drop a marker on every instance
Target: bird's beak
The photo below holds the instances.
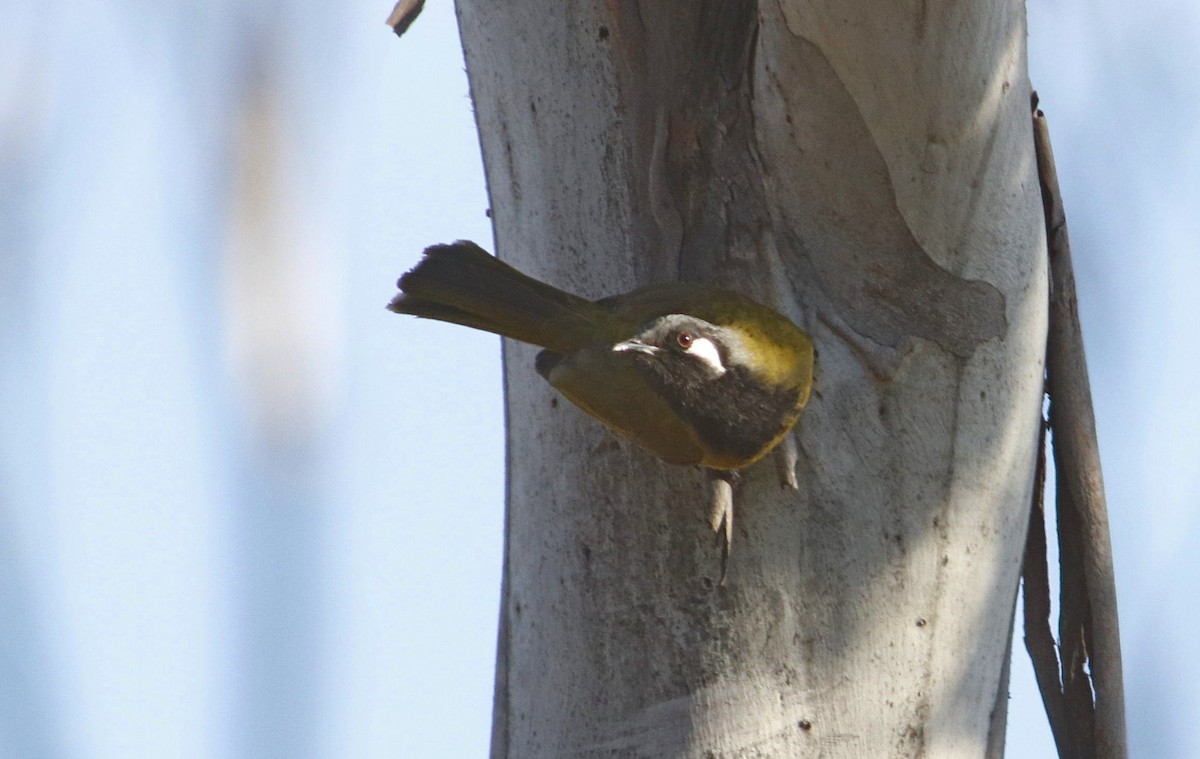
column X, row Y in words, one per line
column 636, row 345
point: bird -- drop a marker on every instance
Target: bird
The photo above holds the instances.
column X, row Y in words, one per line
column 697, row 375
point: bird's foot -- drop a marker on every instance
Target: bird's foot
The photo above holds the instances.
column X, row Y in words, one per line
column 787, row 457
column 720, row 514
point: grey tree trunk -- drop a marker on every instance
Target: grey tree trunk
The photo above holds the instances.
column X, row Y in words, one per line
column 868, row 169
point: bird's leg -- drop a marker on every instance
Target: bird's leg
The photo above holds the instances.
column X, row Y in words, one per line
column 787, row 456
column 720, row 513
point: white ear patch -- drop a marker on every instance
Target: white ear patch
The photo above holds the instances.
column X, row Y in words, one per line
column 705, row 350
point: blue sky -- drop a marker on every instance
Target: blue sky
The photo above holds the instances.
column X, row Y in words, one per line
column 191, row 566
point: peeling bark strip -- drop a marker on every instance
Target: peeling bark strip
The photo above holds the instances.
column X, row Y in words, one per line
column 1039, row 640
column 1089, row 636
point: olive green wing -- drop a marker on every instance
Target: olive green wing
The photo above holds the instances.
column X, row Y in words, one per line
column 610, row 387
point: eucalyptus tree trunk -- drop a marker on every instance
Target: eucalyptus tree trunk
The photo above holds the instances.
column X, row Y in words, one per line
column 867, row 168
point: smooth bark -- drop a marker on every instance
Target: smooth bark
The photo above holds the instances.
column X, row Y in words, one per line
column 868, row 169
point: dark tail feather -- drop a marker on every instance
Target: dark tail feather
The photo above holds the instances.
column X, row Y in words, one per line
column 461, row 283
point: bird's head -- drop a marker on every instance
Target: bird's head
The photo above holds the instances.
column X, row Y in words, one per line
column 685, row 348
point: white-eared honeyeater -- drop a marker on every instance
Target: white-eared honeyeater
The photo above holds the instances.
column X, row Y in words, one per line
column 695, row 374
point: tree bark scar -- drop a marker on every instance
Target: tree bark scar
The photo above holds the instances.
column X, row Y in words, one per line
column 662, row 205
column 856, row 242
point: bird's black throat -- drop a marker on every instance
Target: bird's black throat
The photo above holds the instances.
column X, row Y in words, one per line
column 735, row 414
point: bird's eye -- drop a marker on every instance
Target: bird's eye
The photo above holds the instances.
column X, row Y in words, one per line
column 685, row 339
